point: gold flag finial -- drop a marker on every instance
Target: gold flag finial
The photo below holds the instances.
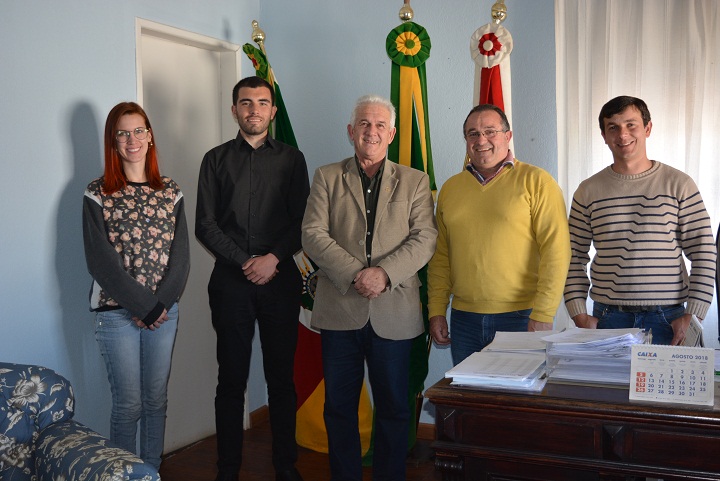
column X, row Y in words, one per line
column 406, row 12
column 258, row 35
column 499, row 12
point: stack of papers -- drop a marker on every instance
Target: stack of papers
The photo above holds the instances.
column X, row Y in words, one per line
column 501, row 370
column 519, row 342
column 596, row 356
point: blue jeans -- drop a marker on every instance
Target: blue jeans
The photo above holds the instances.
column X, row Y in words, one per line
column 138, row 366
column 472, row 332
column 344, row 354
column 658, row 320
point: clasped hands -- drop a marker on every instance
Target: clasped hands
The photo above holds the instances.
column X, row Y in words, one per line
column 371, row 282
column 155, row 325
column 260, row 269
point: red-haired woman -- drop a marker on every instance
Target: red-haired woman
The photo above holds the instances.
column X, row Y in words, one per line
column 136, row 248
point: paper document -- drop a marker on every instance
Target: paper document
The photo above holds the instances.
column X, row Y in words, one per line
column 535, row 384
column 591, row 336
column 592, row 355
column 694, row 334
column 499, row 365
column 519, row 341
column 501, row 370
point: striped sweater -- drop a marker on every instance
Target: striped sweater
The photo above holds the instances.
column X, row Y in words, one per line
column 640, row 226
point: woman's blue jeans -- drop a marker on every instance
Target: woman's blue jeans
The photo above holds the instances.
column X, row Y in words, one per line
column 471, row 331
column 138, row 366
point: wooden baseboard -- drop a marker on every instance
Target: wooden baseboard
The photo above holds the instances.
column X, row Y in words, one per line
column 426, row 431
column 262, row 415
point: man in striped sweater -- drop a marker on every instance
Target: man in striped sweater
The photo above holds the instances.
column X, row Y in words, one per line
column 641, row 216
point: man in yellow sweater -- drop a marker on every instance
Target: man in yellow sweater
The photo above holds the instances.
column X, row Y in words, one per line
column 503, row 247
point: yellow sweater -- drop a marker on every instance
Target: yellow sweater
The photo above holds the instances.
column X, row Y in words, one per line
column 501, row 247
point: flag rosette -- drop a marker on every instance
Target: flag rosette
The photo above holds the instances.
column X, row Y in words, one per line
column 408, row 45
column 490, row 45
column 490, row 48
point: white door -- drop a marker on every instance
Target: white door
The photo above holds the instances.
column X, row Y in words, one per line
column 185, row 85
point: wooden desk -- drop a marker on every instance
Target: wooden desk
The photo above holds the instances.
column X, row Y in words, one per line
column 570, row 433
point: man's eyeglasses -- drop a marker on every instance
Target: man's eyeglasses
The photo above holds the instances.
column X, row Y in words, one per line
column 123, row 136
column 488, row 134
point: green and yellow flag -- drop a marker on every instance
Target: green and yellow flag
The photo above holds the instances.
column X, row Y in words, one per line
column 408, row 46
column 281, row 130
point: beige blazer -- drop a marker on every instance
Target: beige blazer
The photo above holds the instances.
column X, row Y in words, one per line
column 333, row 235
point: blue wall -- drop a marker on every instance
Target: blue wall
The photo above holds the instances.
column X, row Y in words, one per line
column 64, row 65
column 326, row 54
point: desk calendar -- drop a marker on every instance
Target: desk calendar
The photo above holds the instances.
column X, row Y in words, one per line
column 672, row 374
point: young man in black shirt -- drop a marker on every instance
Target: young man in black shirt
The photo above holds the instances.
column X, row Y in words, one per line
column 252, row 193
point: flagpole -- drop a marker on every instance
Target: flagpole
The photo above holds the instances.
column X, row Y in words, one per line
column 406, row 14
column 408, row 46
column 499, row 12
column 258, row 36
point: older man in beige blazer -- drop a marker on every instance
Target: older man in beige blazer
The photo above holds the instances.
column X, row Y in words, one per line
column 369, row 226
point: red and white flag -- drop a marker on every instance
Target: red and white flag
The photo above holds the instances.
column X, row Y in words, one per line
column 490, row 48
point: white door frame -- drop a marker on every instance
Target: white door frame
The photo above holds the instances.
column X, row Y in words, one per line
column 173, row 34
column 228, row 78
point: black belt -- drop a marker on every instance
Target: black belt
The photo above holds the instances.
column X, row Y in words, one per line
column 642, row 308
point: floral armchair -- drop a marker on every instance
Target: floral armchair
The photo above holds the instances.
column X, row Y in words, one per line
column 39, row 441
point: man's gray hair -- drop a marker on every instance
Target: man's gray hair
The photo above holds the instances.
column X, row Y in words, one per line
column 373, row 99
